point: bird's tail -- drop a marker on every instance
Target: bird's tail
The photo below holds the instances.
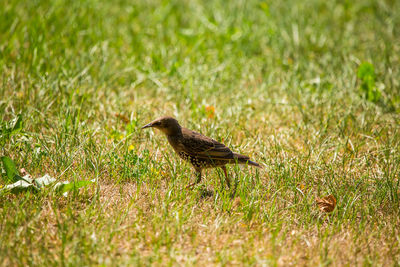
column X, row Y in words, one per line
column 242, row 159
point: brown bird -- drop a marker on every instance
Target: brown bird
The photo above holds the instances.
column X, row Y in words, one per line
column 201, row 151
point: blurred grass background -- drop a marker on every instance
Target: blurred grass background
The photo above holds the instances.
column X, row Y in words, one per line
column 308, row 88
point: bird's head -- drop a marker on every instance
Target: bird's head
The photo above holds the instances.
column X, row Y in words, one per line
column 167, row 125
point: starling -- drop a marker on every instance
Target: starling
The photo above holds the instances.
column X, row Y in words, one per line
column 201, row 151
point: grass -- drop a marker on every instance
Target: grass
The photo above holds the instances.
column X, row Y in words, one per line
column 310, row 89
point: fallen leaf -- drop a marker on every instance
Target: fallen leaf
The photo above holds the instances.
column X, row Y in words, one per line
column 19, row 186
column 44, row 181
column 326, row 204
column 210, row 111
column 122, row 117
column 26, row 183
column 300, row 186
column 23, row 172
column 236, row 202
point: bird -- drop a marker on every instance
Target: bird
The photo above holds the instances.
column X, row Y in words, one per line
column 201, row 151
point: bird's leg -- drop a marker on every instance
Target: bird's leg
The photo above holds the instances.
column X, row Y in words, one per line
column 198, row 179
column 228, row 181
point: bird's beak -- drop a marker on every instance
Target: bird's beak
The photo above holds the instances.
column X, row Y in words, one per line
column 148, row 125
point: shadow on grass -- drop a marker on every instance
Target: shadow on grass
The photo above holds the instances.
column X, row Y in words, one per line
column 204, row 193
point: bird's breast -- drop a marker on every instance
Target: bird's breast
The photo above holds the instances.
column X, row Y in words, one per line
column 175, row 143
column 184, row 155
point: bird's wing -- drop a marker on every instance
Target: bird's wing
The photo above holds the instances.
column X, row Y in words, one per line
column 198, row 145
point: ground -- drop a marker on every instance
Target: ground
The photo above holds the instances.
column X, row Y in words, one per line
column 309, row 89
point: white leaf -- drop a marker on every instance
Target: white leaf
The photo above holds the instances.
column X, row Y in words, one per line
column 44, row 181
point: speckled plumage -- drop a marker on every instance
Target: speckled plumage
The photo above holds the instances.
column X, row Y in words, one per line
column 201, row 151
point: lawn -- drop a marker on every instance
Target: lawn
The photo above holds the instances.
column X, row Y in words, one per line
column 309, row 89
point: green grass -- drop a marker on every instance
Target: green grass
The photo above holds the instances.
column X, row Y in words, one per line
column 310, row 89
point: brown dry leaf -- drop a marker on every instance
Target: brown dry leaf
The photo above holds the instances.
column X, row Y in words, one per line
column 236, row 202
column 302, row 187
column 326, row 204
column 23, row 172
column 122, row 117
